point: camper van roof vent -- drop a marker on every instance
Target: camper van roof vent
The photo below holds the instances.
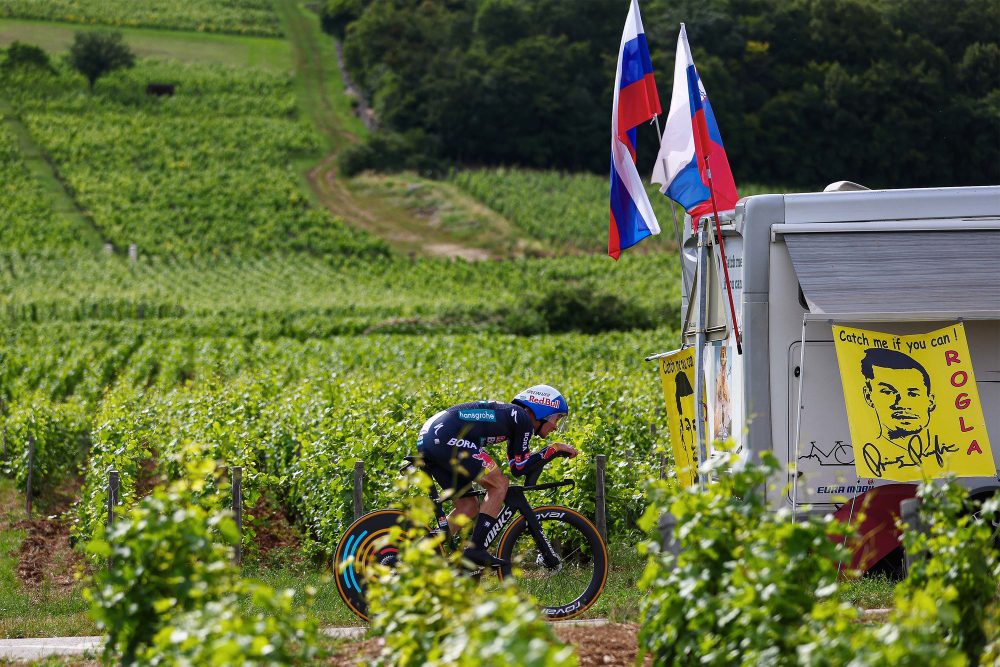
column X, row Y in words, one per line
column 844, row 186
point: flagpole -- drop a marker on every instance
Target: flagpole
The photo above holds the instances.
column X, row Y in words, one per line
column 725, row 264
column 677, row 230
column 699, row 358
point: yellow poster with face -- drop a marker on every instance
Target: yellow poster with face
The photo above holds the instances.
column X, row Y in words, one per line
column 912, row 404
column 677, row 376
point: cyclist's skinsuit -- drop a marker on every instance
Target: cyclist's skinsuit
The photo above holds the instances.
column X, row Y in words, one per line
column 452, row 442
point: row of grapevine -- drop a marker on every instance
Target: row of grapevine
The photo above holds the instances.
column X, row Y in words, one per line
column 28, row 219
column 302, row 296
column 50, row 384
column 560, row 209
column 297, row 415
column 208, row 170
column 244, row 17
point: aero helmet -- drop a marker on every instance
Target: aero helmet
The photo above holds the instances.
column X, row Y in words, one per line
column 543, row 400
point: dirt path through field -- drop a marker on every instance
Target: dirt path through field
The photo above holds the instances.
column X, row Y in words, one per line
column 408, row 226
column 45, row 557
column 604, row 644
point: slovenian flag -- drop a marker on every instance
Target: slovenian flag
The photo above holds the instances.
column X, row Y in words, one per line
column 635, row 103
column 690, row 134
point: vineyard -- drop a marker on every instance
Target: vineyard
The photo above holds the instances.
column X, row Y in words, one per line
column 297, row 415
column 245, row 17
column 253, row 327
column 25, row 202
column 558, row 208
column 152, row 171
column 303, row 297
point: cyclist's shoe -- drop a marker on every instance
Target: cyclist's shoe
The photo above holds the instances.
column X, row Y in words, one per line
column 482, row 557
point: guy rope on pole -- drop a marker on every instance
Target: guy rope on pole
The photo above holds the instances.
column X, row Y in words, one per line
column 725, row 264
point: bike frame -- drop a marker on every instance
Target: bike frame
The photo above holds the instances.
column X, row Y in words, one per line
column 514, row 501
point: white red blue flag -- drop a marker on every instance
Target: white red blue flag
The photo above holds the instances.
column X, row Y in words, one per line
column 691, row 133
column 635, row 103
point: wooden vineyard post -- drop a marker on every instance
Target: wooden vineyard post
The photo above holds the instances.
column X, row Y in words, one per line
column 238, row 512
column 359, row 482
column 113, row 486
column 113, row 483
column 668, row 534
column 31, row 471
column 601, row 516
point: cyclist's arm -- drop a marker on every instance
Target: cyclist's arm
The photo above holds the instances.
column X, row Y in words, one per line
column 520, row 458
column 521, row 463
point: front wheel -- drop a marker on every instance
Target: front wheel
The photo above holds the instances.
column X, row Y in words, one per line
column 569, row 588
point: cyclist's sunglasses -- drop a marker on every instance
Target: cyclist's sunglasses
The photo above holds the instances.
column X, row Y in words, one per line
column 557, row 419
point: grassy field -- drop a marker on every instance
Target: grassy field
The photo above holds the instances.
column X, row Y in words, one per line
column 267, row 53
column 318, row 82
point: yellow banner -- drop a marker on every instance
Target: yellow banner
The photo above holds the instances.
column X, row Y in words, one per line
column 677, row 376
column 912, row 404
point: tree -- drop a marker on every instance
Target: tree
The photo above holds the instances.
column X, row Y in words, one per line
column 805, row 91
column 20, row 54
column 96, row 53
column 336, row 14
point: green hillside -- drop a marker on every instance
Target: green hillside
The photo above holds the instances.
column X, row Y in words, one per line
column 190, row 284
column 564, row 210
column 176, row 174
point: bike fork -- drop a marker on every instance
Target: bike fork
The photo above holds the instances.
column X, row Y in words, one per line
column 549, row 556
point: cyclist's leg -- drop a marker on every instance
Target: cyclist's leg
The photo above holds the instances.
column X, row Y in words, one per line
column 456, row 478
column 455, row 467
column 452, row 468
column 496, row 484
column 465, row 506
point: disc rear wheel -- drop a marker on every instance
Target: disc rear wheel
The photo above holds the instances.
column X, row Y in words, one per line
column 359, row 550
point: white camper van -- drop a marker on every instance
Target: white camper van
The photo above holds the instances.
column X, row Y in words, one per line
column 895, row 261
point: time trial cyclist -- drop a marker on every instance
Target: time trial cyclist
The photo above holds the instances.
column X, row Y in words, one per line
column 452, row 445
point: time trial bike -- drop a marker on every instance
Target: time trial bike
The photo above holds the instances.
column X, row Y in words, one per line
column 555, row 552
